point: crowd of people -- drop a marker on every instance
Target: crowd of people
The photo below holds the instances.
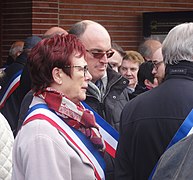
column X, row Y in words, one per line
column 75, row 105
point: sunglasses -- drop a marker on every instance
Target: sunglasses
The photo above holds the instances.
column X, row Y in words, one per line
column 99, row 55
column 81, row 68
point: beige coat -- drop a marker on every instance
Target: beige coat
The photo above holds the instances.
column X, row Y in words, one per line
column 41, row 152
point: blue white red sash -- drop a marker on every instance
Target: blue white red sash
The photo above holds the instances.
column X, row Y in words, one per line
column 184, row 130
column 11, row 87
column 109, row 134
column 79, row 140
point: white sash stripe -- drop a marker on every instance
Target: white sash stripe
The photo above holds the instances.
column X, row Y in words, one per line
column 17, row 79
column 190, row 132
column 108, row 138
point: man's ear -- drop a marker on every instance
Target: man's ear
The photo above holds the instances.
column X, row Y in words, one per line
column 57, row 75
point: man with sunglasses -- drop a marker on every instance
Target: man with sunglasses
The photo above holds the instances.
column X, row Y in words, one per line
column 109, row 99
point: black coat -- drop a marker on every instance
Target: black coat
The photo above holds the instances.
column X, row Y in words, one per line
column 150, row 120
column 114, row 100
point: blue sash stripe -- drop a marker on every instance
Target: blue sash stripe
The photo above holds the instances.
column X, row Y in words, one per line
column 12, row 79
column 106, row 126
column 183, row 130
column 90, row 147
column 79, row 134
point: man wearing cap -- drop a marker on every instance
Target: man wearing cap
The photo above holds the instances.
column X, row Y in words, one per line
column 9, row 92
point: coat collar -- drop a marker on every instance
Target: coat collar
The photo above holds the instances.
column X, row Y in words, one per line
column 184, row 69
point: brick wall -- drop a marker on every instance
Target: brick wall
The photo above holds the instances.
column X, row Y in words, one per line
column 123, row 18
column 16, row 23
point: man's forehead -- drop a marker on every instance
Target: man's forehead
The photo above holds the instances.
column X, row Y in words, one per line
column 96, row 38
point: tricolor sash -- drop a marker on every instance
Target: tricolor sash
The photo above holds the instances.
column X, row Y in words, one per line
column 109, row 134
column 11, row 87
column 79, row 140
column 184, row 130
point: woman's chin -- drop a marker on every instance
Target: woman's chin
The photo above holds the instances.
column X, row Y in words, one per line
column 82, row 97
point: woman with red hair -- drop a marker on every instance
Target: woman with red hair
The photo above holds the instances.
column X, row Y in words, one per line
column 59, row 138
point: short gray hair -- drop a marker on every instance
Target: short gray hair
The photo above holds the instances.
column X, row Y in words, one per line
column 178, row 44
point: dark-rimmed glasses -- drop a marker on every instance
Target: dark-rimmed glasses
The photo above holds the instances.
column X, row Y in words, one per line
column 99, row 55
column 81, row 68
column 157, row 64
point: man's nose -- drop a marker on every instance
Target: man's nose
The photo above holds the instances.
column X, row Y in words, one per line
column 128, row 72
column 154, row 70
column 88, row 76
column 104, row 59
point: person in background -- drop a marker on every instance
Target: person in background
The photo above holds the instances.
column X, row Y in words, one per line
column 150, row 120
column 146, row 79
column 53, row 31
column 10, row 91
column 117, row 58
column 159, row 66
column 6, row 145
column 52, row 143
column 151, row 50
column 129, row 69
column 106, row 93
column 25, row 85
column 15, row 50
column 148, row 47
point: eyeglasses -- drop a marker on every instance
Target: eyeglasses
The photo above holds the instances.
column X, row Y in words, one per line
column 81, row 68
column 157, row 64
column 99, row 55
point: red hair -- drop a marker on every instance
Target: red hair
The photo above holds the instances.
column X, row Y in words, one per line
column 56, row 51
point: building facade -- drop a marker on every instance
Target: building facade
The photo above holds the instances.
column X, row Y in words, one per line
column 122, row 18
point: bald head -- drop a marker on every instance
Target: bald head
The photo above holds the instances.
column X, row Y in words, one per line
column 79, row 28
column 96, row 40
column 54, row 30
column 153, row 44
column 149, row 47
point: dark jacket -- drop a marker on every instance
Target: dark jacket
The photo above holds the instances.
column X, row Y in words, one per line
column 25, row 82
column 115, row 98
column 12, row 105
column 110, row 107
column 150, row 120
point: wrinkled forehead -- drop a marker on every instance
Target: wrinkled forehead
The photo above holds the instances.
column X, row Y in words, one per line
column 96, row 37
